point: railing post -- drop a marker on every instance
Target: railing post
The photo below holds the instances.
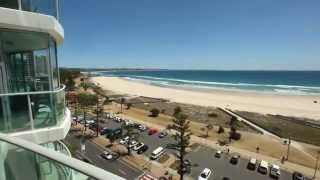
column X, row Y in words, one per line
column 30, row 112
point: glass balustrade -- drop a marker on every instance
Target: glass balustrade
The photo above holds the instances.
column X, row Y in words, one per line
column 24, row 111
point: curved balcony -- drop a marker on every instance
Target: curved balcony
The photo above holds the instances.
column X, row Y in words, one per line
column 22, row 160
column 35, row 111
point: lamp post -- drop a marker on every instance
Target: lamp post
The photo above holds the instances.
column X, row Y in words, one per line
column 288, row 150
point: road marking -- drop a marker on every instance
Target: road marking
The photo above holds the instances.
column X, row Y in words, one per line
column 122, row 172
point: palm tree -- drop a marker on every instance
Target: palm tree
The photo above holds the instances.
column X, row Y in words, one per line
column 86, row 100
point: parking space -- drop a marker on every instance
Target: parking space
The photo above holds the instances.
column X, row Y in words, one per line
column 201, row 157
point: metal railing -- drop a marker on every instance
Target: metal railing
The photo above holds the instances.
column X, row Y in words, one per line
column 44, row 156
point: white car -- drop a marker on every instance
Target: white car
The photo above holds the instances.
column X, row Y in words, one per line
column 132, row 143
column 275, row 171
column 89, row 121
column 205, row 174
column 124, row 140
column 142, row 127
column 138, row 146
column 106, row 155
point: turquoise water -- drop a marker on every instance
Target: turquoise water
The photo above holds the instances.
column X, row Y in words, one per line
column 281, row 82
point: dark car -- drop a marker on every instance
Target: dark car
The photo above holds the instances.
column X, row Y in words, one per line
column 235, row 159
column 187, row 167
column 142, row 149
column 163, row 134
column 225, row 178
column 298, row 176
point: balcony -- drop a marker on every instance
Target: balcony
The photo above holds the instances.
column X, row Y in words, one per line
column 22, row 160
column 35, row 112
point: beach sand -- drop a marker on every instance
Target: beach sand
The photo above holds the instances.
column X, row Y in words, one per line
column 287, row 105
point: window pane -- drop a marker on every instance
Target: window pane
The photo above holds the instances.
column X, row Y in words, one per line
column 42, row 110
column 13, row 4
column 40, row 6
column 19, row 113
column 54, row 66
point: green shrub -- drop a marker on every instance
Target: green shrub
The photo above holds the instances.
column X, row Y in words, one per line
column 154, row 112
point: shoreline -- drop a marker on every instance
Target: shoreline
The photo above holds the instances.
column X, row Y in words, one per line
column 264, row 103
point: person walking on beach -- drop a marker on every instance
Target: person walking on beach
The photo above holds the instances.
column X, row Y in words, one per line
column 257, row 149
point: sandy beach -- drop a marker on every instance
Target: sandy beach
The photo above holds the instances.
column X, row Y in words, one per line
column 288, row 105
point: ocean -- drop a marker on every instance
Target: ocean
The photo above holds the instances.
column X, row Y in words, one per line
column 275, row 82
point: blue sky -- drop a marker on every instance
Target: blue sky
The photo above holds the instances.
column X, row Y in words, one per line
column 191, row 34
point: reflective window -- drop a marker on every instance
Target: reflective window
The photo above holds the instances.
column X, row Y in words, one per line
column 48, row 7
column 42, row 110
column 18, row 113
column 13, row 4
column 29, row 60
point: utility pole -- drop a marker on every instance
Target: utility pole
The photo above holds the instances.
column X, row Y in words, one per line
column 316, row 166
column 288, row 150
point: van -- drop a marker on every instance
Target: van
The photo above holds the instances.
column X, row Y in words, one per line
column 263, row 167
column 157, row 153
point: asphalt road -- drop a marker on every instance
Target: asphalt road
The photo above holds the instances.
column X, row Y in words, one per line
column 203, row 157
column 118, row 166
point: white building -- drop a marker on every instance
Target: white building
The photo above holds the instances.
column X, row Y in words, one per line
column 33, row 115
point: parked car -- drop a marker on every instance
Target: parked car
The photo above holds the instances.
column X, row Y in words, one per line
column 152, row 131
column 163, row 134
column 218, row 154
column 142, row 127
column 138, row 146
column 107, row 155
column 275, row 171
column 205, row 174
column 235, row 159
column 104, row 131
column 143, row 149
column 132, row 143
column 124, row 140
column 187, row 167
column 225, row 178
column 298, row 176
column 263, row 167
column 252, row 164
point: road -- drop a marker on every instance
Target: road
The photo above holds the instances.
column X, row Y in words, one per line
column 118, row 166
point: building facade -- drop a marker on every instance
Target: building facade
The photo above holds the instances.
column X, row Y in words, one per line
column 33, row 112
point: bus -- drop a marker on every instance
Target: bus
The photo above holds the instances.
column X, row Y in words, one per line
column 157, row 153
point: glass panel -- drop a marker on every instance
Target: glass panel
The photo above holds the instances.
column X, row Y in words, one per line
column 2, row 127
column 42, row 110
column 27, row 62
column 13, row 4
column 48, row 7
column 54, row 66
column 60, row 106
column 20, row 164
column 19, row 114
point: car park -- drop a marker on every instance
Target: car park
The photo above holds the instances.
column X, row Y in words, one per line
column 205, row 174
column 263, row 167
column 124, row 140
column 143, row 149
column 298, row 176
column 275, row 171
column 235, row 159
column 138, row 146
column 218, row 154
column 252, row 164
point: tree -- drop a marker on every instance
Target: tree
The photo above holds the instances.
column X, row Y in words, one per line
column 86, row 100
column 85, row 86
column 233, row 121
column 220, row 130
column 154, row 112
column 132, row 133
column 177, row 110
column 122, row 101
column 182, row 139
column 129, row 105
column 208, row 128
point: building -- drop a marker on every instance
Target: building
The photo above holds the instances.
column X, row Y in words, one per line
column 33, row 114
